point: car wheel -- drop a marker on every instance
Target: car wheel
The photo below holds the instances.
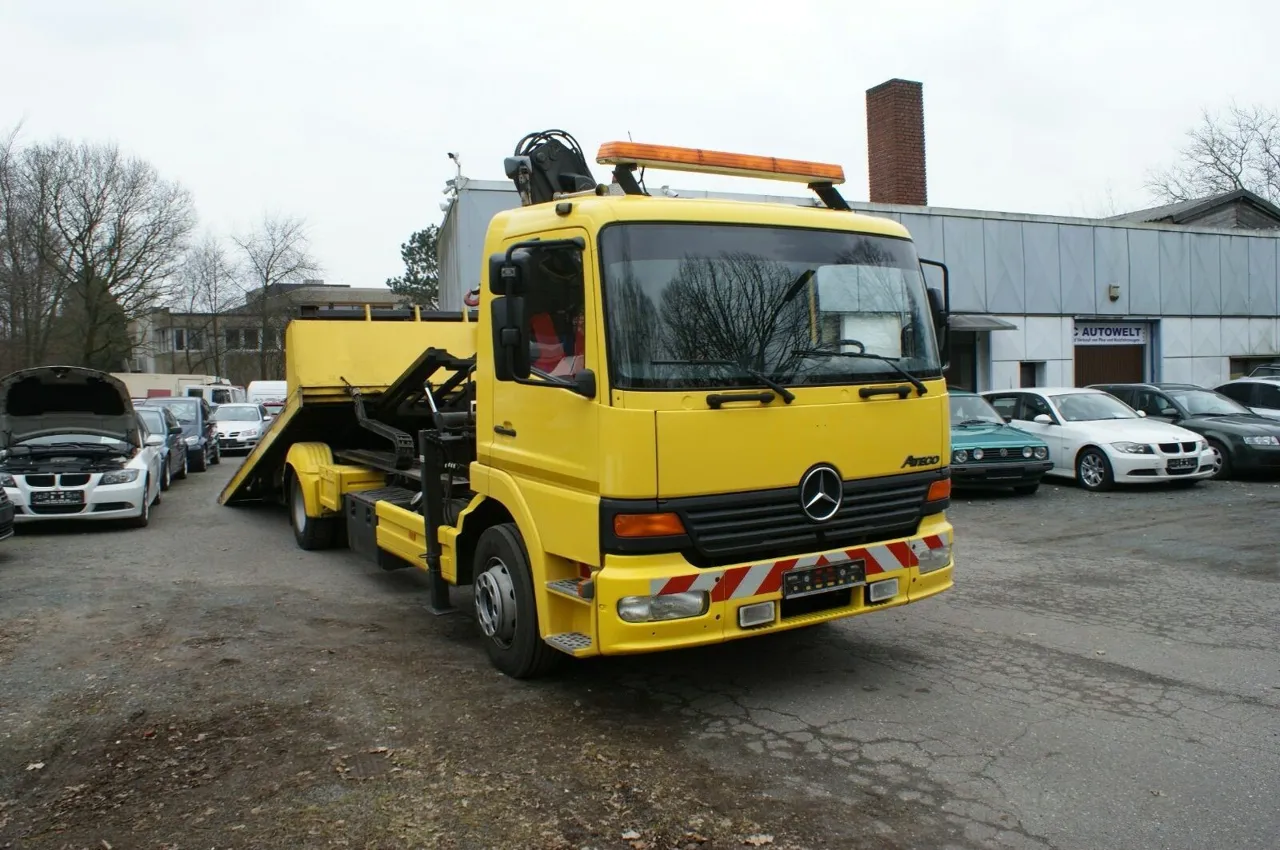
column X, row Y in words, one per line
column 1221, row 460
column 166, row 477
column 202, row 462
column 217, row 455
column 186, row 464
column 143, row 519
column 1026, row 489
column 505, row 606
column 310, row 532
column 1093, row 470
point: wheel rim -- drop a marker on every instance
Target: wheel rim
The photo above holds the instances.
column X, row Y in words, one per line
column 299, row 508
column 1091, row 470
column 496, row 603
column 1217, row 460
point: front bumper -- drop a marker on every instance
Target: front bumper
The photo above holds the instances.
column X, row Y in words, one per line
column 1134, row 469
column 999, row 473
column 1246, row 458
column 101, row 502
column 733, row 587
column 235, row 444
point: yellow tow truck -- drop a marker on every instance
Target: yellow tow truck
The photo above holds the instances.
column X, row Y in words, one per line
column 658, row 422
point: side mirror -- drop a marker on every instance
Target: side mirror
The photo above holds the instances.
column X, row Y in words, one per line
column 176, row 429
column 1043, row 419
column 510, row 340
column 155, row 440
column 1170, row 412
column 508, row 277
column 584, row 383
column 1142, row 413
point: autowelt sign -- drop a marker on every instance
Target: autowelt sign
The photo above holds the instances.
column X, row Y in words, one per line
column 1110, row 334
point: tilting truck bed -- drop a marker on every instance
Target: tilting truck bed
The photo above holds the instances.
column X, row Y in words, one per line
column 329, row 366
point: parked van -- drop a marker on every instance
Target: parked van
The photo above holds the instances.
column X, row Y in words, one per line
column 270, row 394
column 217, row 393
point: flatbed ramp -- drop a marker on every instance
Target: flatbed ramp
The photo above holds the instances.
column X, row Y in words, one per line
column 327, row 362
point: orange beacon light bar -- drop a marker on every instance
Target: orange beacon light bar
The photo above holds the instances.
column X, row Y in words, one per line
column 634, row 154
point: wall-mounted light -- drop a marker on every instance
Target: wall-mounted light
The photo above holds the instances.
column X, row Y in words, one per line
column 1113, row 292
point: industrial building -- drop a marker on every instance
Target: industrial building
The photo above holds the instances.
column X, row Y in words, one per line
column 1186, row 292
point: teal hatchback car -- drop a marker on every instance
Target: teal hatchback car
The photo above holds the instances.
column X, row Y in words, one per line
column 986, row 451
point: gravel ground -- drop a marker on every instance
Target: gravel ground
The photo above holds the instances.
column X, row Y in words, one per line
column 1104, row 675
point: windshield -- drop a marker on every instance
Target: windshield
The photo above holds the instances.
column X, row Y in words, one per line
column 237, row 413
column 83, row 439
column 185, row 411
column 154, row 420
column 1206, row 403
column 1089, row 407
column 765, row 299
column 972, row 410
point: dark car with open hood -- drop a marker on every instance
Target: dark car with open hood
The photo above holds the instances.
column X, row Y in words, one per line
column 72, row 447
column 1241, row 440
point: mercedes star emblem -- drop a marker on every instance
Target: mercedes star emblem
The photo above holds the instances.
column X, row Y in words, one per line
column 821, row 492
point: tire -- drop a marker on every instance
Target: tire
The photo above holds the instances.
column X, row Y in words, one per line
column 506, row 609
column 311, row 532
column 1026, row 489
column 1093, row 470
column 1224, row 461
column 186, row 464
column 217, row 455
column 202, row 462
column 144, row 519
column 166, row 478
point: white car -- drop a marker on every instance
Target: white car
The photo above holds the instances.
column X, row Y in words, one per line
column 240, row 426
column 73, row 447
column 1100, row 441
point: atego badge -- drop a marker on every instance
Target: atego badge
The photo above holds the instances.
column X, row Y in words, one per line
column 921, row 460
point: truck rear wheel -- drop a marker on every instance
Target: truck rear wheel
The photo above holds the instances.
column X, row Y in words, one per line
column 310, row 532
column 506, row 608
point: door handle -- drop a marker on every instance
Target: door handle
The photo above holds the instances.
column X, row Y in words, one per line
column 504, row 430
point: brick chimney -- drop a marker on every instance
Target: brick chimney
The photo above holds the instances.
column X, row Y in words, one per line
column 895, row 143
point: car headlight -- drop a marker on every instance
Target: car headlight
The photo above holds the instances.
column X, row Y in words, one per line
column 1267, row 440
column 192, row 441
column 1041, row 452
column 978, row 453
column 6, row 480
column 119, row 476
column 671, row 606
column 960, row 456
column 1026, row 451
column 1133, row 448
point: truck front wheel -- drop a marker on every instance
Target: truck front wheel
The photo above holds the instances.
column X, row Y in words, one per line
column 505, row 606
column 310, row 532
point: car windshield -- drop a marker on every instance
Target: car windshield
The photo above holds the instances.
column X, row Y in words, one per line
column 1206, row 403
column 185, row 411
column 1090, row 407
column 237, row 413
column 973, row 410
column 698, row 305
column 82, row 439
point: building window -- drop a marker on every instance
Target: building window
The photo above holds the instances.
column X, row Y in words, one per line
column 231, row 338
column 179, row 339
column 1242, row 366
column 1031, row 373
column 250, row 337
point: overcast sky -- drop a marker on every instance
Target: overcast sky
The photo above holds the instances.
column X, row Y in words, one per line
column 343, row 112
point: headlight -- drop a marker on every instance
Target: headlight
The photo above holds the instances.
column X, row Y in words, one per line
column 668, row 606
column 6, row 480
column 1261, row 441
column 192, row 441
column 977, row 454
column 119, row 476
column 1026, row 451
column 1133, row 448
column 929, row 560
column 1041, row 452
column 960, row 456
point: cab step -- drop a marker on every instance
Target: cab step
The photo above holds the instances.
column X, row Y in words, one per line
column 572, row 643
column 579, row 590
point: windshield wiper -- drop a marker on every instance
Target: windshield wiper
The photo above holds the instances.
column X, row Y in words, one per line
column 977, row 422
column 786, row 394
column 921, row 389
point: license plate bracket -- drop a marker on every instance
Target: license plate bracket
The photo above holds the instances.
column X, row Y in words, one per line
column 57, row 497
column 823, row 578
column 1183, row 463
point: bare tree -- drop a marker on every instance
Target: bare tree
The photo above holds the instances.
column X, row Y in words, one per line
column 275, row 253
column 208, row 287
column 1238, row 150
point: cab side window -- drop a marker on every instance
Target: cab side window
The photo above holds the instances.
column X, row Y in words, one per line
column 1153, row 403
column 1268, row 396
column 1006, row 405
column 1033, row 406
column 1242, row 392
column 555, row 311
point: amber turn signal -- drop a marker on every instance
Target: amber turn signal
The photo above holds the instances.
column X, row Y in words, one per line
column 647, row 525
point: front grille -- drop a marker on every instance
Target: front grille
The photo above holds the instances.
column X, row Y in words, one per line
column 1177, row 448
column 1188, row 447
column 73, row 479
column 736, row 527
column 39, row 480
column 56, row 509
column 989, row 455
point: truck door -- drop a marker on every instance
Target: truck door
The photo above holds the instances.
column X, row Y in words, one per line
column 545, row 436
